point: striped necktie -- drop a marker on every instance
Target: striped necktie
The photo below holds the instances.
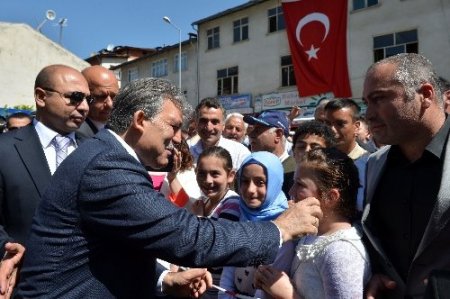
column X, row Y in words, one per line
column 61, row 144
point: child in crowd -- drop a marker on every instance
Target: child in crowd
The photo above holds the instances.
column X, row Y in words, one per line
column 260, row 179
column 333, row 264
column 215, row 175
column 179, row 185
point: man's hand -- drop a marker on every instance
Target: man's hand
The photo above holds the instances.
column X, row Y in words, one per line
column 9, row 268
column 377, row 284
column 302, row 218
column 190, row 283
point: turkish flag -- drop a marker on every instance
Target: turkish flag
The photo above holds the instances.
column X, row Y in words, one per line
column 317, row 34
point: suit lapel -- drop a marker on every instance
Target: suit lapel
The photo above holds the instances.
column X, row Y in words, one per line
column 438, row 220
column 30, row 151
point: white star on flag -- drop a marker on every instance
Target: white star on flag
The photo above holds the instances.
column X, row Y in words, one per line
column 312, row 52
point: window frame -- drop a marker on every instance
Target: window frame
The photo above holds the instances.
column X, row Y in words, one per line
column 396, row 42
column 230, row 77
column 275, row 17
column 159, row 68
column 213, row 38
column 184, row 62
column 240, row 30
column 287, row 70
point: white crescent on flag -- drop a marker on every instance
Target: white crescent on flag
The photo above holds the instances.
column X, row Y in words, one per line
column 315, row 16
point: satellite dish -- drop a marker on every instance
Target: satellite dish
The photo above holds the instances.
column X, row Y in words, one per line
column 110, row 47
column 50, row 15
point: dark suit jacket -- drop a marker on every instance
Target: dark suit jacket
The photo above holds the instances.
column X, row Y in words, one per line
column 87, row 129
column 434, row 249
column 24, row 175
column 100, row 225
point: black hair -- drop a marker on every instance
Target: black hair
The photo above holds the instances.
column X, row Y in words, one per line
column 314, row 127
column 219, row 152
column 338, row 104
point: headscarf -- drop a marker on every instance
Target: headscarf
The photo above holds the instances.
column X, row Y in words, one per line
column 275, row 201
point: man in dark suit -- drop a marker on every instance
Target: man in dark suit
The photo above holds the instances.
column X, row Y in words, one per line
column 100, row 224
column 406, row 217
column 104, row 87
column 28, row 156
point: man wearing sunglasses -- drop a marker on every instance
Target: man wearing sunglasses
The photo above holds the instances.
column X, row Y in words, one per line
column 29, row 155
column 103, row 86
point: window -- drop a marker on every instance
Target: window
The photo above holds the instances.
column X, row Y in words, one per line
column 276, row 19
column 287, row 71
column 359, row 4
column 227, row 81
column 213, row 38
column 395, row 43
column 159, row 68
column 183, row 62
column 133, row 74
column 240, row 30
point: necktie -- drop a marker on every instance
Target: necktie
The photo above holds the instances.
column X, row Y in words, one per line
column 61, row 144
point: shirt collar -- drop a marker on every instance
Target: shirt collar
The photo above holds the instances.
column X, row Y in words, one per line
column 437, row 144
column 128, row 148
column 46, row 135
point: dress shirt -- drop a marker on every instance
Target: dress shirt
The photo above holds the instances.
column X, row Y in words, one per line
column 46, row 136
column 237, row 150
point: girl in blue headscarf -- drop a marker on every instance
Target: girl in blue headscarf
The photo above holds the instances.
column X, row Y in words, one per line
column 260, row 179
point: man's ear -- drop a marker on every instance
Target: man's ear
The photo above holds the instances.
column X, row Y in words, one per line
column 138, row 120
column 357, row 125
column 39, row 97
column 428, row 94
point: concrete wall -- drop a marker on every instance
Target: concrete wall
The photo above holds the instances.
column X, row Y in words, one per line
column 188, row 77
column 23, row 53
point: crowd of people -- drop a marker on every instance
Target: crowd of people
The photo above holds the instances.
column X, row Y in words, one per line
column 130, row 193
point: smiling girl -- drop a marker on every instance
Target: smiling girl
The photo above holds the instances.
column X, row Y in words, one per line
column 260, row 179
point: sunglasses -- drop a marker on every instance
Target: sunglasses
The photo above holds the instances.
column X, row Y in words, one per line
column 75, row 97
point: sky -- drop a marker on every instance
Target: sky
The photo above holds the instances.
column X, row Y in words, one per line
column 93, row 24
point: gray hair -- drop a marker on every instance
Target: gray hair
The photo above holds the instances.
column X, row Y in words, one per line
column 237, row 115
column 412, row 71
column 148, row 95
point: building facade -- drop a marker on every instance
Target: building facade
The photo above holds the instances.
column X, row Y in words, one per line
column 244, row 56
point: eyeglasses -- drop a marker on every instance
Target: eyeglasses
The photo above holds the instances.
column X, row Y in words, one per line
column 75, row 97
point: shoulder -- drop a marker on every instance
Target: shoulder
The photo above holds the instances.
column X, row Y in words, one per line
column 232, row 146
column 289, row 164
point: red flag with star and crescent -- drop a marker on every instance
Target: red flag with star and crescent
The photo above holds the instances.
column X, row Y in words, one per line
column 317, row 34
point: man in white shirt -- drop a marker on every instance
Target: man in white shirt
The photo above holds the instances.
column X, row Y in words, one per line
column 210, row 116
column 30, row 155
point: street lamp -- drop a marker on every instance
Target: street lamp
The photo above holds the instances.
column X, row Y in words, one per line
column 167, row 20
column 50, row 15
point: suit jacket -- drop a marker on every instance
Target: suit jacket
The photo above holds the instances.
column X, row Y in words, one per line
column 87, row 129
column 434, row 249
column 24, row 175
column 100, row 225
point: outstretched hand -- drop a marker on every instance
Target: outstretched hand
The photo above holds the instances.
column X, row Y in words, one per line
column 190, row 283
column 302, row 218
column 9, row 268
